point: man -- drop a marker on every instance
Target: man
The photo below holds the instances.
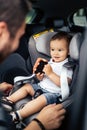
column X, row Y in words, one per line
column 12, row 27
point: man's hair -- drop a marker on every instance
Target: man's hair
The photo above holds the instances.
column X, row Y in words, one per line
column 62, row 35
column 13, row 12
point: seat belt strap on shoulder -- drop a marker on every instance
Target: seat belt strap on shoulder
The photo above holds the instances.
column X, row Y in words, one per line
column 64, row 84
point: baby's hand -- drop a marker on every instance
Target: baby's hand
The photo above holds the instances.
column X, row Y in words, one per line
column 40, row 67
column 37, row 63
column 39, row 76
column 47, row 69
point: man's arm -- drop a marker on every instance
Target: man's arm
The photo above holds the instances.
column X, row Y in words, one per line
column 50, row 116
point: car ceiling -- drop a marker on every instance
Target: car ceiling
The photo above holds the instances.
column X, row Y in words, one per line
column 59, row 8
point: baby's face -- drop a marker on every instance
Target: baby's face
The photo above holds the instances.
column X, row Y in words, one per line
column 59, row 50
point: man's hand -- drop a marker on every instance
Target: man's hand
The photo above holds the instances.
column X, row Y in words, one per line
column 5, row 87
column 52, row 116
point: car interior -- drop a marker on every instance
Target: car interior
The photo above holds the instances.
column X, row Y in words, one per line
column 45, row 19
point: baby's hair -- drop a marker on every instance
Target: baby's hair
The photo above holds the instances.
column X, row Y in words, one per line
column 61, row 35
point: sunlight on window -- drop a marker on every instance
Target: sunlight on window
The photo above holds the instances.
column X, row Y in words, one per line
column 80, row 18
column 30, row 16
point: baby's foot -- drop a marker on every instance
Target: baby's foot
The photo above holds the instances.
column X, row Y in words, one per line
column 7, row 104
column 16, row 118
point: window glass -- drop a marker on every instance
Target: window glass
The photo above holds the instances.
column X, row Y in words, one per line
column 30, row 16
column 80, row 17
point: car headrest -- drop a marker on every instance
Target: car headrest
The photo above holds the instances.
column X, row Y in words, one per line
column 74, row 48
column 39, row 45
column 43, row 42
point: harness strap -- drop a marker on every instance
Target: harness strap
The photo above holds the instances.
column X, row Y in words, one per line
column 64, row 84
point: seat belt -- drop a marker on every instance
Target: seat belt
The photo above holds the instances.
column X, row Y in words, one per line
column 64, row 84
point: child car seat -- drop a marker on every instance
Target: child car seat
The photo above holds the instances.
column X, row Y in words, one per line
column 39, row 46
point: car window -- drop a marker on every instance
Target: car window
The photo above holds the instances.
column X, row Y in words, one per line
column 80, row 17
column 31, row 16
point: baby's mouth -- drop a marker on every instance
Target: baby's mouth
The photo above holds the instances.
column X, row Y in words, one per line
column 56, row 57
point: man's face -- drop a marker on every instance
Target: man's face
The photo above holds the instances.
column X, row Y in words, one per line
column 8, row 44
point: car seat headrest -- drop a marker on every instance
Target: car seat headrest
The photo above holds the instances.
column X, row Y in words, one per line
column 74, row 48
column 43, row 42
column 39, row 45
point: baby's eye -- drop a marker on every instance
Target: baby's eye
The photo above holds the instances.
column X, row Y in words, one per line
column 52, row 49
column 60, row 50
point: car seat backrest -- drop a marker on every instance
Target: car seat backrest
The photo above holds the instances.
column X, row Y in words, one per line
column 39, row 45
column 74, row 48
column 36, row 50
